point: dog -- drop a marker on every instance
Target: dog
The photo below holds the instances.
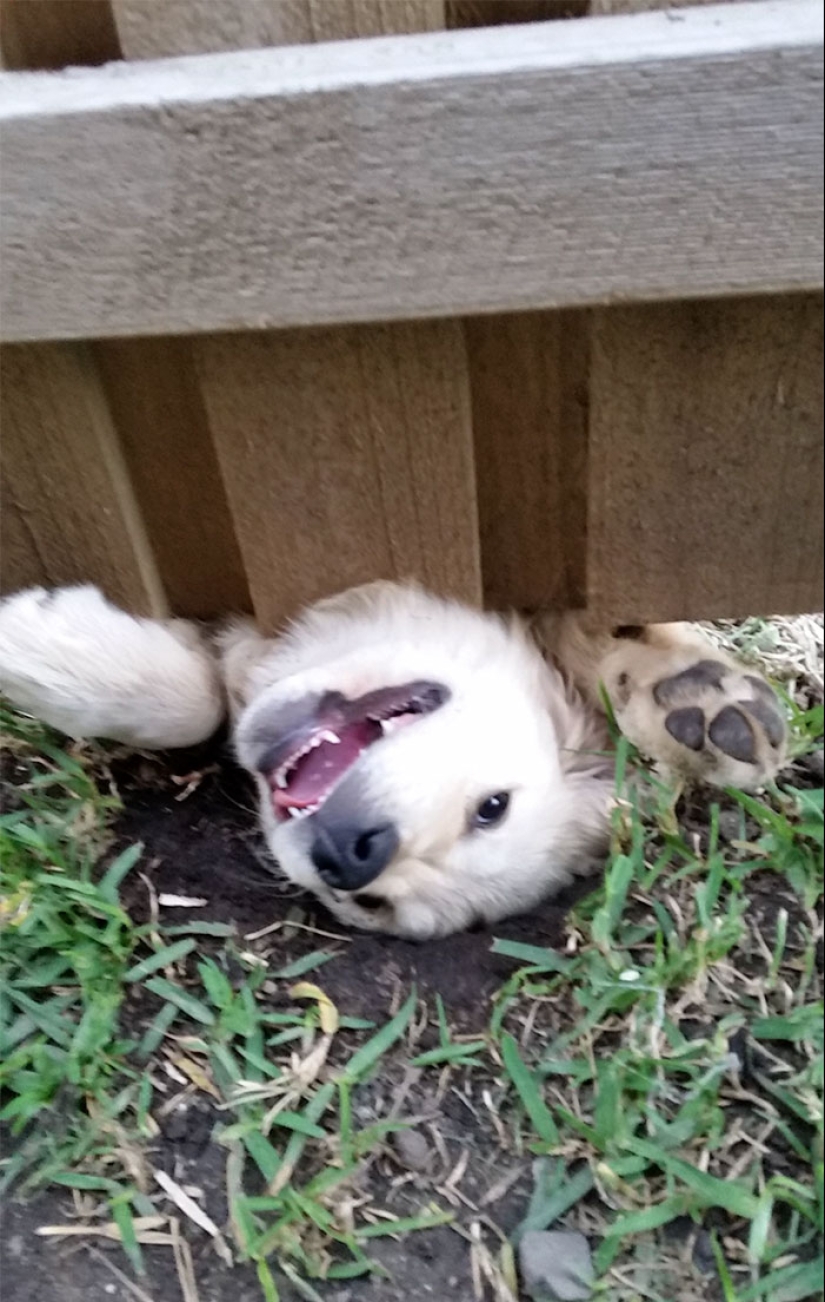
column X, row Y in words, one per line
column 421, row 766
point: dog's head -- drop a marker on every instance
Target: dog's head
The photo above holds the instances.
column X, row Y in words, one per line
column 419, row 765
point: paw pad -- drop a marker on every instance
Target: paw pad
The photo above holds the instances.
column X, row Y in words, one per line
column 705, row 673
column 733, row 734
column 710, row 720
column 765, row 710
column 687, row 726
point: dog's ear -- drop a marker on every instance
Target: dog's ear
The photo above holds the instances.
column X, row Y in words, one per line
column 583, row 736
column 581, row 731
column 241, row 649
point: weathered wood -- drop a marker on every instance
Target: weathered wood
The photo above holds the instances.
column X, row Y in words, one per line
column 419, row 176
column 706, row 480
column 158, row 411
column 56, row 33
column 529, row 390
column 68, row 511
column 347, row 457
column 148, row 28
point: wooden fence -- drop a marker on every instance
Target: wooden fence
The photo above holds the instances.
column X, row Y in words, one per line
column 530, row 310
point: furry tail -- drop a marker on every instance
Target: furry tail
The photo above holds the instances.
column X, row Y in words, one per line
column 83, row 666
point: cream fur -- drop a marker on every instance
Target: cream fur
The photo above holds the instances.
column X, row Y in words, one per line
column 523, row 717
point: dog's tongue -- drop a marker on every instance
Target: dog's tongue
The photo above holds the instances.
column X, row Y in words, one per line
column 318, row 770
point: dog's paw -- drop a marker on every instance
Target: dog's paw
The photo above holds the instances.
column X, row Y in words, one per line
column 701, row 716
column 90, row 670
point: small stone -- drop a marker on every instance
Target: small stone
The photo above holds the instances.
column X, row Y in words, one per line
column 731, row 825
column 704, row 1258
column 176, row 1124
column 412, row 1149
column 556, row 1266
column 814, row 765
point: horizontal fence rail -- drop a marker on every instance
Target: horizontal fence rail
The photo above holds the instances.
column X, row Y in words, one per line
column 636, row 158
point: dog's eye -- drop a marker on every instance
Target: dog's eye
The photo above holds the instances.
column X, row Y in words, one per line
column 492, row 810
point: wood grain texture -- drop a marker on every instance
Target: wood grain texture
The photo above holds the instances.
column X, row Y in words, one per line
column 347, row 457
column 158, row 410
column 528, row 377
column 47, row 34
column 706, row 460
column 68, row 511
column 147, row 27
column 440, row 174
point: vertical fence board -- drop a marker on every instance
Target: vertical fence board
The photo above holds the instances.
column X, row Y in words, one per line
column 68, row 513
column 528, row 377
column 706, row 484
column 152, row 384
column 46, row 34
column 337, row 20
column 70, row 510
column 347, row 457
column 158, row 409
column 149, row 27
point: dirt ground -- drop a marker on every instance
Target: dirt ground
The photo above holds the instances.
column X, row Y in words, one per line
column 207, row 845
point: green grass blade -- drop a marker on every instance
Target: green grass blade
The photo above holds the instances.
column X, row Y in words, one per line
column 528, row 1091
column 160, row 959
column 543, row 960
column 365, row 1058
column 109, row 884
column 712, row 1192
column 182, row 999
column 449, row 1053
column 308, row 963
column 123, row 1219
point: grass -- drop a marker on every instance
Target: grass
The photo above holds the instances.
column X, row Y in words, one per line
column 80, row 1092
column 676, row 1070
column 664, row 1072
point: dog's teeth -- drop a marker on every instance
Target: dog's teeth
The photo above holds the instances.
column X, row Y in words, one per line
column 331, row 737
column 302, row 811
column 388, row 726
column 280, row 780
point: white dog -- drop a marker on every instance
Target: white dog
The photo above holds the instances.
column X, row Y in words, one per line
column 421, row 766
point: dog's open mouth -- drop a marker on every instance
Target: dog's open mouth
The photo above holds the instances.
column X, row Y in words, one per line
column 303, row 768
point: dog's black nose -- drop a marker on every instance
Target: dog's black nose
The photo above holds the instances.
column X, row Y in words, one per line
column 350, row 855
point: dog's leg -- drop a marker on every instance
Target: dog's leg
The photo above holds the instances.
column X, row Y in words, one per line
column 678, row 698
column 83, row 666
